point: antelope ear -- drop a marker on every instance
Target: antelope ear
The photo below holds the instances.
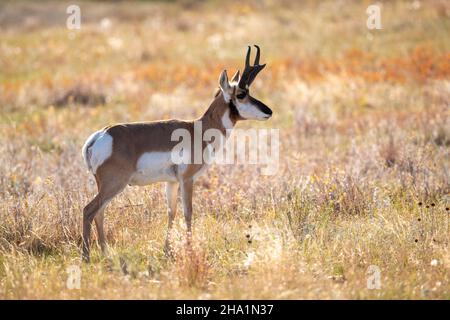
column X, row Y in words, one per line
column 223, row 81
column 236, row 77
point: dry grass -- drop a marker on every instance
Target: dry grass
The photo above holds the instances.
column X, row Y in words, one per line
column 364, row 127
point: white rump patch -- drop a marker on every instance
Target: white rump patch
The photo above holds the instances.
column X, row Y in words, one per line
column 96, row 149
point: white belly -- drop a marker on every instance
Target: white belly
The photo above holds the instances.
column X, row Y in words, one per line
column 153, row 167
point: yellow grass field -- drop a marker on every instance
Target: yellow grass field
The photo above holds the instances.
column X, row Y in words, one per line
column 363, row 183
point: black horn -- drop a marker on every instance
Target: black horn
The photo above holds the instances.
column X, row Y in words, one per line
column 250, row 72
column 257, row 55
column 247, row 58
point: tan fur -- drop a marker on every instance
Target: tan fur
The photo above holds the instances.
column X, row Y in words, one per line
column 130, row 141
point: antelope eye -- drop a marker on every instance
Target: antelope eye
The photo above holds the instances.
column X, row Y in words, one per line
column 241, row 95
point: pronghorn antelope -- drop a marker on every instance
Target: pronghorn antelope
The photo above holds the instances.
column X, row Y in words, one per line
column 140, row 153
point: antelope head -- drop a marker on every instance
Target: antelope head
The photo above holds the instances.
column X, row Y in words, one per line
column 236, row 92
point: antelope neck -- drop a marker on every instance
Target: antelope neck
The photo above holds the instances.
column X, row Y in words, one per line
column 220, row 115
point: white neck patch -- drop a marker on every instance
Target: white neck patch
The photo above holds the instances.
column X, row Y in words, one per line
column 226, row 120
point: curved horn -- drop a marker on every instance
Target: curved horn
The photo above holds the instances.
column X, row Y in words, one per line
column 257, row 56
column 250, row 72
column 247, row 58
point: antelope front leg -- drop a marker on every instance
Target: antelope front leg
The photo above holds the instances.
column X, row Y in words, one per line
column 186, row 193
column 171, row 198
